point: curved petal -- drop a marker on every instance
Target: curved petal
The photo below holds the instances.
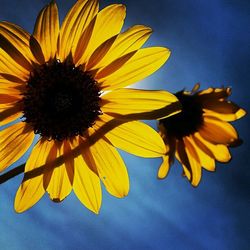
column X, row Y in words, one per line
column 9, row 113
column 110, row 166
column 11, row 67
column 135, row 104
column 9, row 99
column 181, row 156
column 206, row 161
column 12, row 89
column 46, row 30
column 74, row 24
column 217, row 131
column 228, row 117
column 15, row 42
column 133, row 137
column 142, row 64
column 99, row 54
column 213, row 94
column 86, row 185
column 14, row 142
column 194, row 162
column 118, row 46
column 219, row 152
column 169, row 158
column 31, row 189
column 164, row 168
column 56, row 179
column 108, row 23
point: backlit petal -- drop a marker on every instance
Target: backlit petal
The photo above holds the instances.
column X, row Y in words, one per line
column 11, row 67
column 108, row 23
column 12, row 89
column 138, row 104
column 181, row 156
column 15, row 41
column 219, row 152
column 206, row 161
column 229, row 117
column 124, row 43
column 218, row 131
column 87, row 185
column 9, row 99
column 213, row 94
column 31, row 189
column 74, row 24
column 194, row 162
column 141, row 65
column 46, row 30
column 164, row 168
column 110, row 166
column 57, row 178
column 133, row 137
column 9, row 113
column 14, row 142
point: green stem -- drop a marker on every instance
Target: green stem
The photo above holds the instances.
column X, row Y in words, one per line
column 12, row 173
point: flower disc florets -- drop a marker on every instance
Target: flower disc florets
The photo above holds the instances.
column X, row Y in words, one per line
column 60, row 100
column 188, row 121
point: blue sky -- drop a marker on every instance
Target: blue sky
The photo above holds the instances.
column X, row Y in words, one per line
column 210, row 44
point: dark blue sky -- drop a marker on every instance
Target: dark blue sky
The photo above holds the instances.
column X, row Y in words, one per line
column 210, row 43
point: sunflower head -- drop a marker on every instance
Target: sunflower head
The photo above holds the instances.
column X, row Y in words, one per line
column 201, row 132
column 60, row 100
column 66, row 83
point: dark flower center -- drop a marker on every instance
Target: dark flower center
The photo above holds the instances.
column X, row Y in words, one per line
column 61, row 100
column 188, row 121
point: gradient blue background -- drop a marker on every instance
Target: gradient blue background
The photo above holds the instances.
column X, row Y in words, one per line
column 210, row 43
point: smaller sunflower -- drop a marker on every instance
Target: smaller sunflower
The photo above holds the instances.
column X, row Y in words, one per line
column 201, row 133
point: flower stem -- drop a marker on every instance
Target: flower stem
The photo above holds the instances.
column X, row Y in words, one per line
column 12, row 173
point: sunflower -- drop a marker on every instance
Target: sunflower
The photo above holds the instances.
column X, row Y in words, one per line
column 201, row 132
column 65, row 85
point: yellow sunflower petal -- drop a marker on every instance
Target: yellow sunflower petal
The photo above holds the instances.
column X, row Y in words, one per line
column 224, row 107
column 15, row 41
column 110, row 167
column 9, row 66
column 219, row 152
column 87, row 185
column 133, row 137
column 78, row 52
column 19, row 32
column 138, row 104
column 46, row 30
column 194, row 161
column 14, row 142
column 229, row 117
column 9, row 113
column 213, row 94
column 141, row 65
column 114, row 66
column 8, row 99
column 108, row 23
column 31, row 189
column 206, row 161
column 124, row 43
column 218, row 131
column 36, row 50
column 229, row 110
column 99, row 54
column 59, row 185
column 74, row 24
column 12, row 89
column 182, row 157
column 164, row 168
